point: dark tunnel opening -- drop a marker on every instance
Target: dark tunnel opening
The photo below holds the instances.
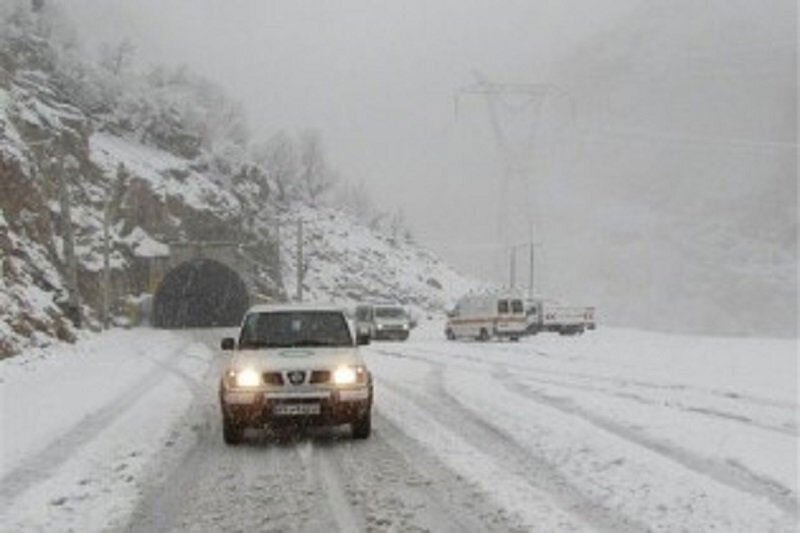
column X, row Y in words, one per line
column 200, row 293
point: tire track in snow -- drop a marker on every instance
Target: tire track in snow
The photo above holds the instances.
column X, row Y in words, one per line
column 494, row 442
column 737, row 478
column 789, row 428
column 630, row 396
column 400, row 485
column 324, row 473
column 731, row 474
column 726, row 394
column 522, row 350
column 261, row 485
column 266, row 483
column 41, row 466
column 176, row 473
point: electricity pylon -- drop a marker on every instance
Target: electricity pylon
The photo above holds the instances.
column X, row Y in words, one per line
column 516, row 162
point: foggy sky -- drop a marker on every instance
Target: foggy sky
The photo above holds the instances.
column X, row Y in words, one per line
column 661, row 185
column 377, row 78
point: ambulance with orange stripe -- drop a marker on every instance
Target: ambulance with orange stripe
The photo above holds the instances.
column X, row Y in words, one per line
column 485, row 317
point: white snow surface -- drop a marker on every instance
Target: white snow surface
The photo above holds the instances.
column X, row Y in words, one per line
column 143, row 245
column 80, row 422
column 618, row 429
column 167, row 174
column 349, row 263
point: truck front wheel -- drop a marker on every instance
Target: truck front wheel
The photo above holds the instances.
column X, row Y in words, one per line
column 232, row 431
column 362, row 427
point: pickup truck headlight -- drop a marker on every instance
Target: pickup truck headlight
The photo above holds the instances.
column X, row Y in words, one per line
column 350, row 375
column 247, row 378
column 344, row 375
column 405, row 326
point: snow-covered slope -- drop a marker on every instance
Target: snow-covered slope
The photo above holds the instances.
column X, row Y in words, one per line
column 348, row 262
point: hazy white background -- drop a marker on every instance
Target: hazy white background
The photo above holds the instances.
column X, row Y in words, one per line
column 667, row 196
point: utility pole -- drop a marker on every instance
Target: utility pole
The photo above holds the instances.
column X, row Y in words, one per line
column 278, row 260
column 113, row 200
column 300, row 267
column 69, row 164
column 512, row 275
column 530, row 274
column 530, row 261
column 106, row 264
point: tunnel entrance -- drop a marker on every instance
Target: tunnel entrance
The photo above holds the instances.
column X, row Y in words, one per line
column 200, row 293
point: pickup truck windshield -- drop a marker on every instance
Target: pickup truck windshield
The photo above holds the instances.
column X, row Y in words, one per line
column 390, row 312
column 295, row 329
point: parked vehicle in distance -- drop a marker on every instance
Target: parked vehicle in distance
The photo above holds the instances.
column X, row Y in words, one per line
column 544, row 315
column 383, row 321
column 391, row 322
column 294, row 365
column 483, row 317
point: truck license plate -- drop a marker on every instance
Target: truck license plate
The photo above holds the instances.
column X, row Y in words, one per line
column 288, row 409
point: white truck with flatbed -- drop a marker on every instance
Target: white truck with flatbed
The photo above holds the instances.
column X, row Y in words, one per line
column 544, row 315
column 294, row 365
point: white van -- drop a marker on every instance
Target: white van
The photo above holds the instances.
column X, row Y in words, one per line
column 383, row 321
column 484, row 317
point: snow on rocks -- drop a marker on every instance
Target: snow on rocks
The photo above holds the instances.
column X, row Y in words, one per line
column 165, row 173
column 143, row 245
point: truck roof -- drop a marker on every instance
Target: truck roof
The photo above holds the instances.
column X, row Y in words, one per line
column 304, row 306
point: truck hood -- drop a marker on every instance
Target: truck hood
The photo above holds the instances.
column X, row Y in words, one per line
column 279, row 359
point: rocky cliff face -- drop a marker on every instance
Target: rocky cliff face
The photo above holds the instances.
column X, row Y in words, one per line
column 143, row 152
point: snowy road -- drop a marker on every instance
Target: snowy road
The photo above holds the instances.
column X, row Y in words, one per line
column 614, row 431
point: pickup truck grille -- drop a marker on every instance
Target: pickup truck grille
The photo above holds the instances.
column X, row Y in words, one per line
column 317, row 377
column 273, row 378
column 320, row 376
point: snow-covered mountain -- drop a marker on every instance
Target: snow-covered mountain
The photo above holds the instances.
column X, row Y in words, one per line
column 166, row 155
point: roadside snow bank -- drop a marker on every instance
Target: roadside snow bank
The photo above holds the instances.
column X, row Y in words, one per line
column 77, row 425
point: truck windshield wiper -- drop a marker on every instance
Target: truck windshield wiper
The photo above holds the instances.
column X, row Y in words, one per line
column 245, row 345
column 266, row 344
column 295, row 344
column 311, row 342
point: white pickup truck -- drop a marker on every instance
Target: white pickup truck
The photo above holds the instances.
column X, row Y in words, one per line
column 294, row 365
column 544, row 315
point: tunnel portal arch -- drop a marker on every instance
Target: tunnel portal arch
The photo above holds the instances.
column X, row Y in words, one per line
column 200, row 292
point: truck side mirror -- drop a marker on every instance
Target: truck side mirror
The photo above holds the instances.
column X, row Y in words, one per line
column 362, row 340
column 228, row 343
